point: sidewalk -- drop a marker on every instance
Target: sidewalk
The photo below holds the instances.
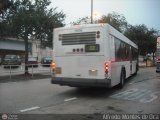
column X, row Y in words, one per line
column 142, row 64
column 22, row 77
column 146, row 64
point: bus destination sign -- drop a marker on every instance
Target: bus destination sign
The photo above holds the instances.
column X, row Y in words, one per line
column 92, row 48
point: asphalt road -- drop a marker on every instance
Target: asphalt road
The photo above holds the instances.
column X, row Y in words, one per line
column 141, row 95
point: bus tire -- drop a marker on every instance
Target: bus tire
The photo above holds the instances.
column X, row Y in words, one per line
column 137, row 68
column 122, row 79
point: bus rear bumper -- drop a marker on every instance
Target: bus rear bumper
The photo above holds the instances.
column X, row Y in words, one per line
column 81, row 82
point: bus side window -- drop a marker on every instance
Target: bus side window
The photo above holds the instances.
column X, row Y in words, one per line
column 117, row 49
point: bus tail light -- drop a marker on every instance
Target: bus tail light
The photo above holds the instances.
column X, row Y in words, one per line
column 53, row 65
column 106, row 67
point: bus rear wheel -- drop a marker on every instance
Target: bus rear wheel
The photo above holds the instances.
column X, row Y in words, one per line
column 122, row 79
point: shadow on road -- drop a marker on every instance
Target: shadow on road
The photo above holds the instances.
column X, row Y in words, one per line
column 93, row 92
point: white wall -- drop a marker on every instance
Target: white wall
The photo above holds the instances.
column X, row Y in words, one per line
column 12, row 45
column 36, row 51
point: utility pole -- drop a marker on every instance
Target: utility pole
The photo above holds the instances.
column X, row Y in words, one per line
column 91, row 11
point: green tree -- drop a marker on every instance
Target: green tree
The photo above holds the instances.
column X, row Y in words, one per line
column 33, row 19
column 144, row 37
column 116, row 20
column 4, row 5
column 83, row 20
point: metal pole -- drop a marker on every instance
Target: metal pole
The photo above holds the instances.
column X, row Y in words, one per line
column 50, row 70
column 10, row 71
column 32, row 70
column 91, row 11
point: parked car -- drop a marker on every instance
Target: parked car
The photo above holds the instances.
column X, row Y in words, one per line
column 46, row 61
column 10, row 60
column 32, row 61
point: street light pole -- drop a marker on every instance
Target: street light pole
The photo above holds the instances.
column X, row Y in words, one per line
column 91, row 11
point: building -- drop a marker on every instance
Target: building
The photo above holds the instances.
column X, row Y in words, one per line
column 17, row 46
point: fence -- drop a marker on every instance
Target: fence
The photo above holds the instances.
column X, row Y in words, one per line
column 11, row 70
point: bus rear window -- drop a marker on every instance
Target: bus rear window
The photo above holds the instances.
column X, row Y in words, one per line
column 78, row 38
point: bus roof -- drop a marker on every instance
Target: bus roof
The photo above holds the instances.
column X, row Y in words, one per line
column 80, row 26
column 112, row 31
column 119, row 35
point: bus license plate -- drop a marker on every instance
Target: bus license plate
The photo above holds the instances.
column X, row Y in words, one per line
column 58, row 70
column 93, row 72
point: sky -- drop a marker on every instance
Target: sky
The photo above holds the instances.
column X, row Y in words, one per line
column 135, row 11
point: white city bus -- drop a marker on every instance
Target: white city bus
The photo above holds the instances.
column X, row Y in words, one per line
column 92, row 55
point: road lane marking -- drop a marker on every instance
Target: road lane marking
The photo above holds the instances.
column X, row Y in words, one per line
column 131, row 83
column 146, row 100
column 66, row 100
column 29, row 109
column 142, row 94
column 135, row 94
column 138, row 94
column 125, row 93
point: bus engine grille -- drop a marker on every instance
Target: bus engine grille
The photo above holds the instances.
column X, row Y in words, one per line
column 78, row 38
